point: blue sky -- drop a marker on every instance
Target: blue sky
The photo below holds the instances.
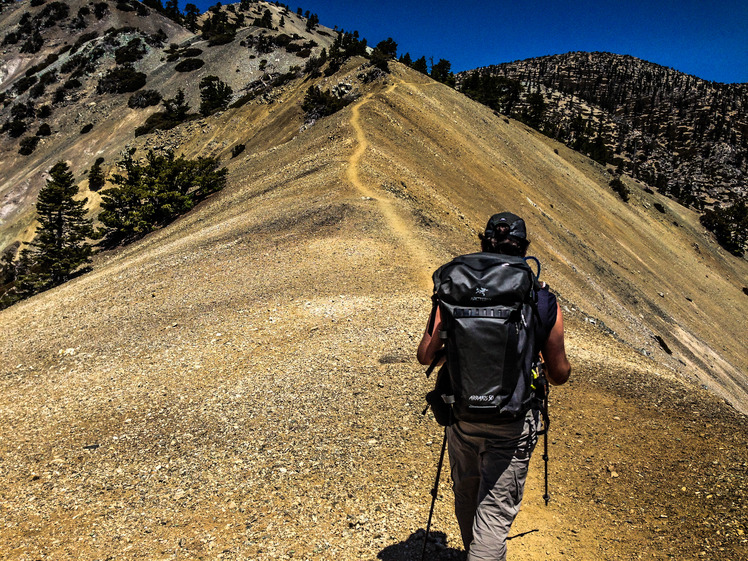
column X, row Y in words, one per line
column 708, row 39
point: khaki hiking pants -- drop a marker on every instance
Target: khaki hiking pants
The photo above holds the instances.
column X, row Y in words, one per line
column 489, row 466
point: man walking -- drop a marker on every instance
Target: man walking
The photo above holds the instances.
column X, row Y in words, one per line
column 495, row 416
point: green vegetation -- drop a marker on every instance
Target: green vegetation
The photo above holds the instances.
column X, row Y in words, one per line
column 152, row 194
column 144, row 98
column 8, row 294
column 96, row 179
column 312, row 21
column 189, row 19
column 121, row 79
column 729, row 225
column 265, row 21
column 189, row 65
column 217, row 29
column 318, row 103
column 176, row 111
column 442, row 72
column 237, row 149
column 384, row 51
column 259, row 87
column 619, row 187
column 132, row 52
column 214, row 95
column 60, row 246
column 15, row 128
column 532, row 114
column 497, row 92
column 28, row 145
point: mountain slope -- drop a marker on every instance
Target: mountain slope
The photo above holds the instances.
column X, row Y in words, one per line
column 71, row 64
column 685, row 136
column 242, row 382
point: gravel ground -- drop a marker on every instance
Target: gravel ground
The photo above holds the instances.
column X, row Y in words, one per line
column 242, row 385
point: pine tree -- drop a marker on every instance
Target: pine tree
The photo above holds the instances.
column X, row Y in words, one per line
column 191, row 12
column 176, row 107
column 421, row 65
column 59, row 247
column 171, row 10
column 96, row 179
column 215, row 95
column 154, row 193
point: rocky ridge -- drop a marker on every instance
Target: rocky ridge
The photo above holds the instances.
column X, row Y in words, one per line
column 684, row 136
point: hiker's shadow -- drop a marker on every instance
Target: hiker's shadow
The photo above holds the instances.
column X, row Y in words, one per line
column 412, row 548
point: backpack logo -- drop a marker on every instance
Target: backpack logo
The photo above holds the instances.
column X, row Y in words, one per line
column 480, row 294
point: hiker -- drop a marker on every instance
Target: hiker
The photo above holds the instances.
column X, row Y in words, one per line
column 489, row 460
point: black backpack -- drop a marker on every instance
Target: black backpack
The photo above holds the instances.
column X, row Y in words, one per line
column 490, row 326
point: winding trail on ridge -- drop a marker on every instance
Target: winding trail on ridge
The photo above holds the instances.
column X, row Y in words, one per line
column 402, row 230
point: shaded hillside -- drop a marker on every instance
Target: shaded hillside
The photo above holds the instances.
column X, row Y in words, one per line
column 685, row 136
column 242, row 383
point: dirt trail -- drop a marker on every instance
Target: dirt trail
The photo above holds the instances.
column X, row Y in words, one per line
column 400, row 227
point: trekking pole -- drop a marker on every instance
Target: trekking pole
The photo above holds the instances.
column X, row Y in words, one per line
column 546, row 496
column 434, row 493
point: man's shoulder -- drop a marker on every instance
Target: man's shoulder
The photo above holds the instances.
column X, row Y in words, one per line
column 547, row 306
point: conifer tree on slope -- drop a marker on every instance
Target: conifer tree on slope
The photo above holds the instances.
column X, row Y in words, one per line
column 59, row 246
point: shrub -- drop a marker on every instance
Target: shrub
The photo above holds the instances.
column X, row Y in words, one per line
column 318, row 103
column 44, row 130
column 121, row 79
column 22, row 85
column 236, row 150
column 37, row 91
column 100, row 10
column 28, row 145
column 87, row 128
column 143, row 99
column 192, row 52
column 54, row 13
column 73, row 63
column 22, row 110
column 157, row 39
column 176, row 112
column 11, row 38
column 124, row 6
column 189, row 65
column 157, row 121
column 82, row 40
column 619, row 187
column 221, row 39
column 59, row 95
column 15, row 128
column 132, row 52
column 283, row 40
column 51, row 58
